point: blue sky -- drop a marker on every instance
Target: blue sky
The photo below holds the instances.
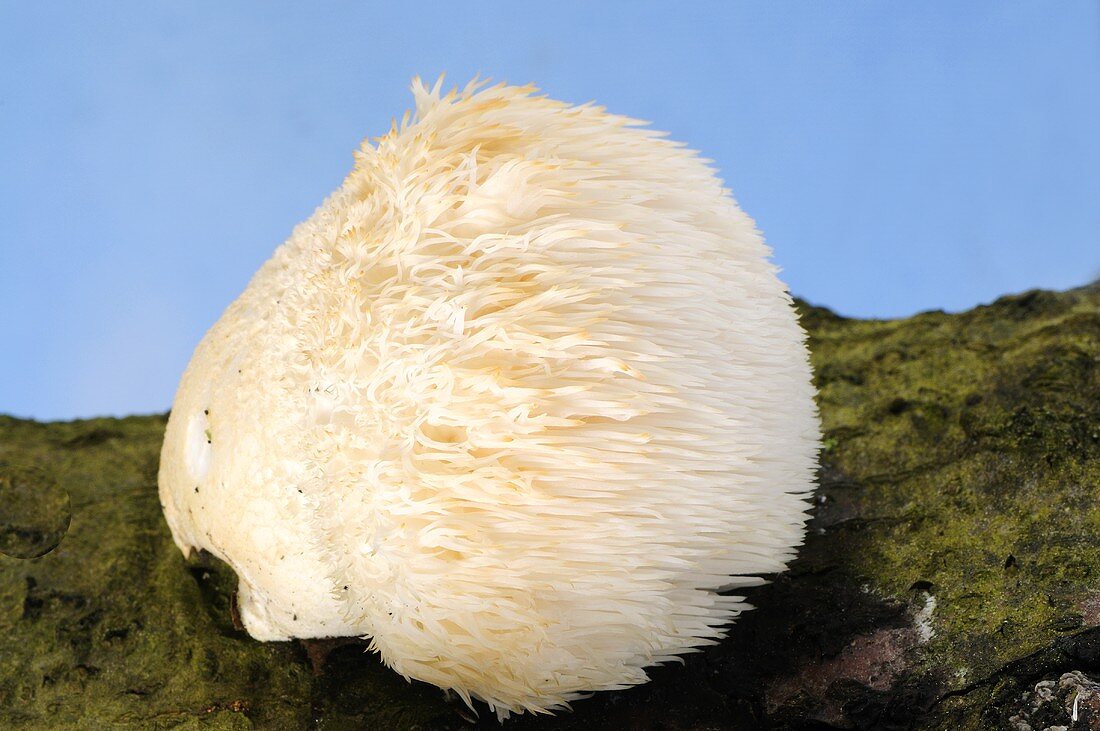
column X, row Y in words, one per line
column 899, row 157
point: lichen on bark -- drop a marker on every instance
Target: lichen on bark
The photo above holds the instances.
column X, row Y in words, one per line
column 951, row 567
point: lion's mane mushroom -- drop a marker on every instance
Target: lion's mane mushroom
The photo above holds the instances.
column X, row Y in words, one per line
column 516, row 403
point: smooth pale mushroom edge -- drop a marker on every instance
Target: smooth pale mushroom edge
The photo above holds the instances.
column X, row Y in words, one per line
column 522, row 403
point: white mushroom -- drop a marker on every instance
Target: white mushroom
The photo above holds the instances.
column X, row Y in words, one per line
column 515, row 403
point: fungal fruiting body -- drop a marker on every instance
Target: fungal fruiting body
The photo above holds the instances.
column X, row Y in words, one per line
column 516, row 403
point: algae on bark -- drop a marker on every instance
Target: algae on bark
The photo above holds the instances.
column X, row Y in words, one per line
column 951, row 568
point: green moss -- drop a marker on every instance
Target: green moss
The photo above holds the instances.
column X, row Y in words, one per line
column 111, row 628
column 973, row 441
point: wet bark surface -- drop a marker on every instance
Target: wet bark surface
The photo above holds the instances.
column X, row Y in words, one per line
column 950, row 577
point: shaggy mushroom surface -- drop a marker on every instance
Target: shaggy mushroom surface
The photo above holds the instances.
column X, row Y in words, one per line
column 522, row 402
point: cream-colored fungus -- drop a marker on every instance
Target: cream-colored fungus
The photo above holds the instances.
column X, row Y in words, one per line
column 514, row 403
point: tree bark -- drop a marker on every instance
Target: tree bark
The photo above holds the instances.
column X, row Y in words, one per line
column 950, row 577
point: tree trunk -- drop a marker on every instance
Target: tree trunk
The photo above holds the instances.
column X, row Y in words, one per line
column 950, row 577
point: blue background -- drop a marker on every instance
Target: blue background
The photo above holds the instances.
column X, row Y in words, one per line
column 898, row 157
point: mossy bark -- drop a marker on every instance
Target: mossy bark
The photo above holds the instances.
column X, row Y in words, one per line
column 952, row 563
